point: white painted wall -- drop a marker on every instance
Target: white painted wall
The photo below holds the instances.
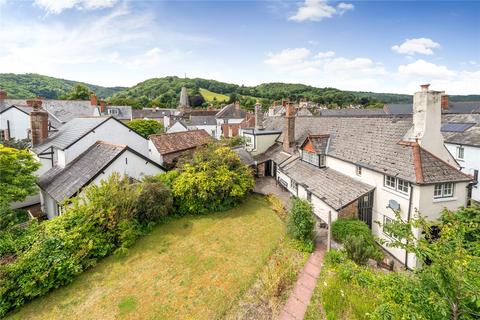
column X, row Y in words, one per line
column 127, row 163
column 259, row 143
column 211, row 129
column 153, row 153
column 470, row 162
column 110, row 131
column 176, row 127
column 19, row 123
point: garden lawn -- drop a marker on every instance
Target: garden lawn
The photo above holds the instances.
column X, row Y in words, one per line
column 192, row 267
column 209, row 95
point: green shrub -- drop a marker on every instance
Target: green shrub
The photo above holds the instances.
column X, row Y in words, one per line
column 103, row 220
column 154, row 202
column 215, row 179
column 300, row 221
column 359, row 249
column 342, row 228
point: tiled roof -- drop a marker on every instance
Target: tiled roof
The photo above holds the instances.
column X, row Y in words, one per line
column 244, row 155
column 453, row 107
column 470, row 137
column 371, row 142
column 334, row 188
column 319, row 143
column 70, row 132
column 65, row 182
column 178, row 141
column 231, row 112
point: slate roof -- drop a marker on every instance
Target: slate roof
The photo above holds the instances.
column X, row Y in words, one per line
column 202, row 120
column 70, row 132
column 231, row 112
column 274, row 152
column 65, row 182
column 319, row 143
column 167, row 143
column 453, row 107
column 351, row 112
column 470, row 137
column 371, row 142
column 244, row 155
column 151, row 113
column 334, row 188
column 122, row 112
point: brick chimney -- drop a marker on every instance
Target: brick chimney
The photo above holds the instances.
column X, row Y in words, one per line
column 38, row 122
column 289, row 129
column 258, row 117
column 237, row 105
column 284, row 103
column 93, row 99
column 444, row 102
column 102, row 106
column 3, row 95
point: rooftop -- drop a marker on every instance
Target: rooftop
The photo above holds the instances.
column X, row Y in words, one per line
column 167, row 143
column 65, row 182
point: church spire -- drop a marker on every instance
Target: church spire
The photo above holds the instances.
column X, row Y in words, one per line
column 184, row 102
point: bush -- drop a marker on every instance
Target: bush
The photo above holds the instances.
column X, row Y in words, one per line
column 106, row 218
column 214, row 180
column 154, row 202
column 359, row 249
column 357, row 239
column 300, row 222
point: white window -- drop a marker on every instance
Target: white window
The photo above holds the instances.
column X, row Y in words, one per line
column 310, row 157
column 390, row 182
column 460, row 153
column 112, row 111
column 397, row 184
column 293, row 185
column 358, row 170
column 248, row 141
column 443, row 190
column 386, row 221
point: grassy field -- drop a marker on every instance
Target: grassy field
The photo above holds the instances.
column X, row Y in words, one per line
column 209, row 95
column 189, row 268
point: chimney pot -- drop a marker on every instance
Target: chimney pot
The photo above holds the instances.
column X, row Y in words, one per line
column 36, row 103
column 93, row 99
column 425, row 87
column 444, row 101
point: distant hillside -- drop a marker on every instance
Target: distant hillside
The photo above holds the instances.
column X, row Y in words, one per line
column 31, row 85
column 165, row 92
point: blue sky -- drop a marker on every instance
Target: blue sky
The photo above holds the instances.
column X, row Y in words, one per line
column 381, row 46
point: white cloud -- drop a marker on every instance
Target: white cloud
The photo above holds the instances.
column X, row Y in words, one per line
column 344, row 7
column 418, row 45
column 423, row 68
column 316, row 10
column 326, row 54
column 288, row 57
column 311, row 42
column 57, row 6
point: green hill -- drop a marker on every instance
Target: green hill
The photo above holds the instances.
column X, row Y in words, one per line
column 31, row 85
column 212, row 96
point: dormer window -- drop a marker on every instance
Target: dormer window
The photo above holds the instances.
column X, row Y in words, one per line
column 113, row 112
column 317, row 160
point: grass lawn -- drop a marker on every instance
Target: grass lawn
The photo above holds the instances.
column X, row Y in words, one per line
column 209, row 95
column 189, row 268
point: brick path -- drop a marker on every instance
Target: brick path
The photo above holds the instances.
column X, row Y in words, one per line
column 299, row 299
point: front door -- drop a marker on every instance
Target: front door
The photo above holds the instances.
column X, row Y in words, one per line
column 365, row 206
column 268, row 168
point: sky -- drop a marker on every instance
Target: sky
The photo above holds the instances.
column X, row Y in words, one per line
column 379, row 46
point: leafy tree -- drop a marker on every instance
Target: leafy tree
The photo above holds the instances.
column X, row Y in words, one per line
column 300, row 221
column 17, row 179
column 146, row 127
column 16, row 143
column 359, row 249
column 79, row 92
column 215, row 179
column 451, row 265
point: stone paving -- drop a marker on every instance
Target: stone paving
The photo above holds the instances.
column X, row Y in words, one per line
column 268, row 185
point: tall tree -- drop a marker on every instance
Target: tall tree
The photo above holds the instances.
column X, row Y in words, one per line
column 146, row 127
column 79, row 92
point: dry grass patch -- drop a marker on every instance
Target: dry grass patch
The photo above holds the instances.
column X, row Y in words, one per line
column 193, row 267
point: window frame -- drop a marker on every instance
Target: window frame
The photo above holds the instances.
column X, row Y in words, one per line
column 460, row 149
column 400, row 185
column 358, row 170
column 442, row 188
column 387, row 181
column 387, row 219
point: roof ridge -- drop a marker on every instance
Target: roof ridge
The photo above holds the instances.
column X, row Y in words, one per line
column 110, row 143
